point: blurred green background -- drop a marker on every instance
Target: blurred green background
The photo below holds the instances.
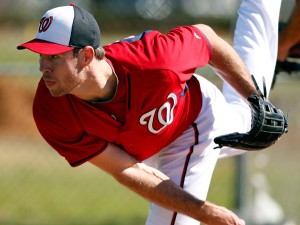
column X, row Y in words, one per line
column 38, row 187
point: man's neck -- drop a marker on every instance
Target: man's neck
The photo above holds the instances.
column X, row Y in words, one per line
column 100, row 84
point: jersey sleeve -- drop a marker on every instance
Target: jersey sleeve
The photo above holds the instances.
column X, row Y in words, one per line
column 182, row 50
column 61, row 129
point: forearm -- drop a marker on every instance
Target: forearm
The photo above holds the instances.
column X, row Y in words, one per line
column 290, row 34
column 159, row 189
column 156, row 187
column 228, row 65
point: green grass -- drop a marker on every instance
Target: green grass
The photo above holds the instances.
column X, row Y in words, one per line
column 38, row 187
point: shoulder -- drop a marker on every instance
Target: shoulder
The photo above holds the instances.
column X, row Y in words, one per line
column 154, row 49
column 153, row 38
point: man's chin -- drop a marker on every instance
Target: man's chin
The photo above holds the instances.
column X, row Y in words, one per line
column 57, row 94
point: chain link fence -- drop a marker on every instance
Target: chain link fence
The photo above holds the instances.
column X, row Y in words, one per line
column 38, row 187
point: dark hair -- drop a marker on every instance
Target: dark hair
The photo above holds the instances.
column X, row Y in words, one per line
column 99, row 52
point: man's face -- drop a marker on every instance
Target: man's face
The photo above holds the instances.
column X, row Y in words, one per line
column 61, row 73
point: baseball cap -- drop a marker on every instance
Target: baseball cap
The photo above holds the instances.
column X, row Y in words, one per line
column 62, row 29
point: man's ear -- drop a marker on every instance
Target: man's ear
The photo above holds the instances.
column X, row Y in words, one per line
column 87, row 55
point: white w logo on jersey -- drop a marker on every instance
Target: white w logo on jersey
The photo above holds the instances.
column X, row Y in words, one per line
column 163, row 121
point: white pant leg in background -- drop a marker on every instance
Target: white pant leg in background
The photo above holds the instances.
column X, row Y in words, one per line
column 256, row 37
column 256, row 42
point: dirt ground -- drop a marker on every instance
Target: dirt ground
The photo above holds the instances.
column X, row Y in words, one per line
column 16, row 107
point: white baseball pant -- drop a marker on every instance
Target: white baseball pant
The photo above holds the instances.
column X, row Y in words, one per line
column 190, row 160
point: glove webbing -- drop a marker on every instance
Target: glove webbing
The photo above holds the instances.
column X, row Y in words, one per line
column 262, row 95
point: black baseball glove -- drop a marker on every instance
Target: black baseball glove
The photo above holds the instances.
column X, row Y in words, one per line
column 267, row 126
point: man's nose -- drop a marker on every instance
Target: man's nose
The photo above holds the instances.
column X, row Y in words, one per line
column 44, row 66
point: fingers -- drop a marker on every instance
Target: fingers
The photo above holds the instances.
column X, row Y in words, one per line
column 218, row 215
column 234, row 219
column 237, row 220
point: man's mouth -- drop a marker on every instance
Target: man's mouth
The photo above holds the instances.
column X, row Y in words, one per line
column 49, row 83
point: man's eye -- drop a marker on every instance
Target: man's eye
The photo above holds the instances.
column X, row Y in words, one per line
column 54, row 57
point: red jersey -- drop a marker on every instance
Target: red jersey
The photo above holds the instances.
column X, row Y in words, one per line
column 157, row 98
